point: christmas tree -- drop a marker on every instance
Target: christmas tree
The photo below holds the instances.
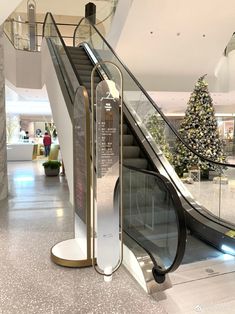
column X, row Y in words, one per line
column 155, row 126
column 200, row 131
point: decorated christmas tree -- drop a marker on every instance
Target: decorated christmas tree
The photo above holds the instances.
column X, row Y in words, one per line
column 200, row 131
column 155, row 126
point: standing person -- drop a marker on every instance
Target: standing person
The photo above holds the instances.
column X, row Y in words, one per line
column 47, row 143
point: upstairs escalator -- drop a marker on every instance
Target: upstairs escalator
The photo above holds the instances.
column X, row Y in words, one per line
column 140, row 149
column 154, row 222
column 135, row 155
column 210, row 219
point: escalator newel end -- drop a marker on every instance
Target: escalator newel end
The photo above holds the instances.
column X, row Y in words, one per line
column 159, row 278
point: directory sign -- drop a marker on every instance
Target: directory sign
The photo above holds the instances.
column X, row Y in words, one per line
column 107, row 174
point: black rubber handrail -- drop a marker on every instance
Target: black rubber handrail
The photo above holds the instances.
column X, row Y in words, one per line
column 180, row 222
column 149, row 98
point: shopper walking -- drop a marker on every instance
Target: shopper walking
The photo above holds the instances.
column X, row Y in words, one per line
column 47, row 144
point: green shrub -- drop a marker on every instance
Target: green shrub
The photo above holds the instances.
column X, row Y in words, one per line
column 53, row 164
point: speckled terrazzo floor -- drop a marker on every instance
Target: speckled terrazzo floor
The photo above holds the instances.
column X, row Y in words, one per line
column 35, row 217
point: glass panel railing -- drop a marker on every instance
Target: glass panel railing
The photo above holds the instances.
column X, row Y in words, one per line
column 143, row 109
column 199, row 176
column 18, row 34
column 17, row 30
column 51, row 32
column 153, row 216
column 104, row 15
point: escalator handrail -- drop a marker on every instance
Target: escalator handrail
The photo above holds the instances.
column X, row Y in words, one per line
column 180, row 215
column 150, row 99
column 62, row 41
column 180, row 220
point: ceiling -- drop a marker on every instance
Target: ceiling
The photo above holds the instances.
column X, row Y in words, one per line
column 175, row 103
column 169, row 44
column 6, row 8
column 68, row 7
column 21, row 101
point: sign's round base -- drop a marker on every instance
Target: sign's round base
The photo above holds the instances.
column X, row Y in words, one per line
column 68, row 253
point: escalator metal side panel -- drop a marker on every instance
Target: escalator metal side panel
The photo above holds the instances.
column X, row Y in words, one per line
column 140, row 265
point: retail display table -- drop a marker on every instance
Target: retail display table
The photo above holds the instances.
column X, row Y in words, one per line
column 20, row 151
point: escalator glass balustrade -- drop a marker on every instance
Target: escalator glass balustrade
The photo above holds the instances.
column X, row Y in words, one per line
column 213, row 218
column 153, row 216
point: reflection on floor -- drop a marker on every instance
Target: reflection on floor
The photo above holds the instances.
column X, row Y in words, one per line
column 215, row 197
column 197, row 250
column 35, row 217
column 203, row 287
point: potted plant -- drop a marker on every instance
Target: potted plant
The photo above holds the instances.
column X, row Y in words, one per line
column 52, row 167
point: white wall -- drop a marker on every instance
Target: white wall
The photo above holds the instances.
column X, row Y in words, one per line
column 7, row 7
column 22, row 68
column 175, row 40
column 60, row 114
column 118, row 22
column 231, row 70
column 221, row 73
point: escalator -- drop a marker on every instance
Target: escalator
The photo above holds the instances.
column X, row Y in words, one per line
column 140, row 150
column 158, row 246
column 211, row 227
column 134, row 155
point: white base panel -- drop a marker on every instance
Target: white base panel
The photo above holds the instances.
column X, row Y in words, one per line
column 69, row 253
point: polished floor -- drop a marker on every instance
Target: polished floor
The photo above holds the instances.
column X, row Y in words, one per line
column 38, row 215
column 217, row 196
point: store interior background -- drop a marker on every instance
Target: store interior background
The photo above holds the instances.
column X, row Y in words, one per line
column 167, row 76
column 27, row 105
column 29, row 110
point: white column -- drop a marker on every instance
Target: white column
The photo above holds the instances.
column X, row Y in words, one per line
column 3, row 153
column 231, row 67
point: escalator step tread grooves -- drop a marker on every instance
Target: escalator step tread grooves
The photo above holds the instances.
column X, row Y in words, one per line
column 83, row 65
column 140, row 163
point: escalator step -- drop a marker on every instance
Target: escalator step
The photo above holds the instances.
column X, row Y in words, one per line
column 84, row 72
column 75, row 49
column 87, row 78
column 79, row 62
column 79, row 56
column 131, row 151
column 85, row 67
column 128, row 139
column 125, row 128
column 139, row 163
